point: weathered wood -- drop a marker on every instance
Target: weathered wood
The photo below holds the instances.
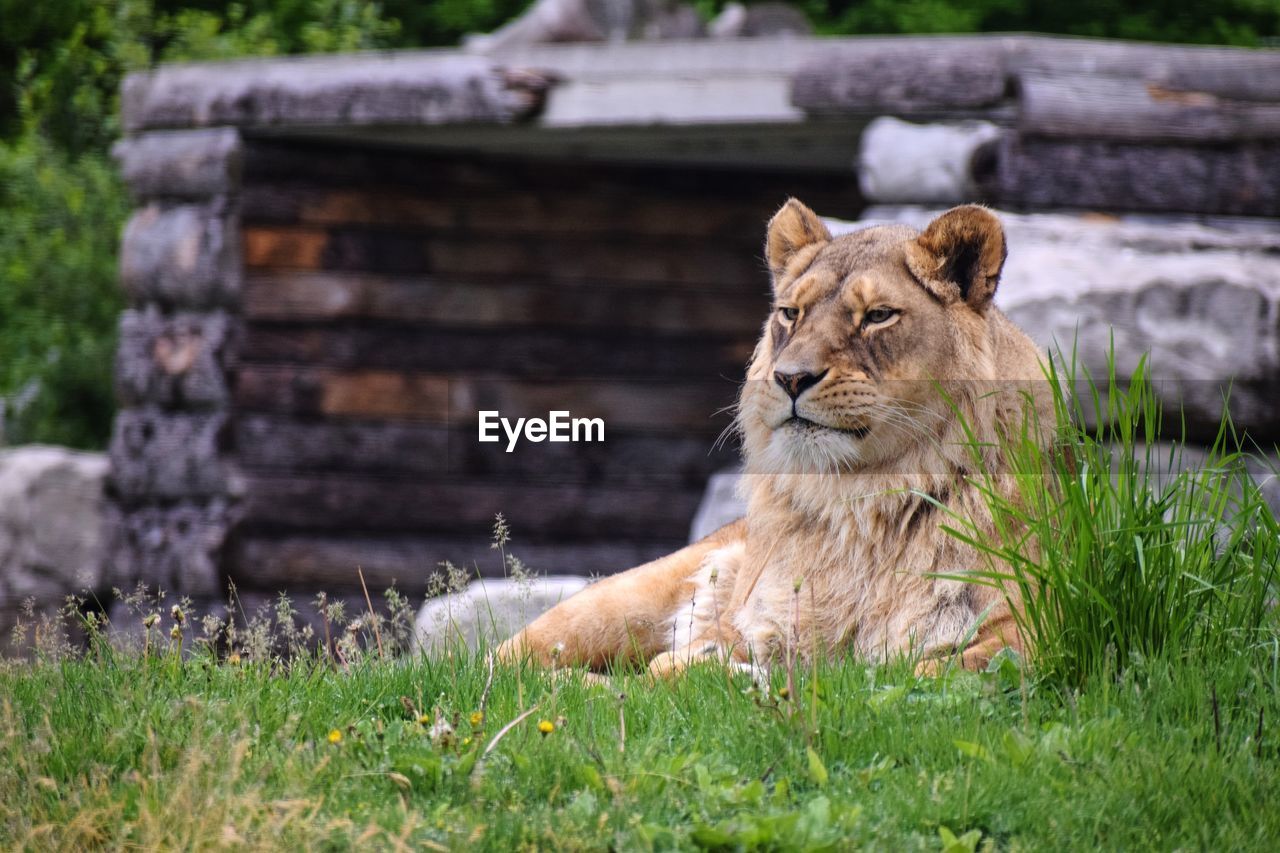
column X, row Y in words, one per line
column 182, row 163
column 885, row 75
column 179, row 361
column 330, row 562
column 663, row 406
column 157, row 456
column 185, row 256
column 1089, row 107
column 562, row 260
column 271, row 444
column 175, row 548
column 871, row 76
column 1039, row 174
column 542, row 353
column 1227, row 72
column 520, row 304
column 459, row 177
column 520, row 210
column 363, row 89
column 358, row 394
column 342, row 502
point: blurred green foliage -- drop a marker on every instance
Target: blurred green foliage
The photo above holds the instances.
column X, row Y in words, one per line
column 1248, row 23
column 62, row 206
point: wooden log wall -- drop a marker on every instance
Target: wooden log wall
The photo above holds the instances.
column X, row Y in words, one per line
column 174, row 486
column 387, row 297
column 1093, row 125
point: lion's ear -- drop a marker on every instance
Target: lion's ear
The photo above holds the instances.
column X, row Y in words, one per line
column 960, row 255
column 791, row 229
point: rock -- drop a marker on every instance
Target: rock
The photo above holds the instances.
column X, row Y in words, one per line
column 1202, row 297
column 720, row 504
column 904, row 163
column 51, row 530
column 489, row 610
column 1169, row 460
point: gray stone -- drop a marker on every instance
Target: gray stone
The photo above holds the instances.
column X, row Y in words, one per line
column 489, row 611
column 182, row 163
column 1169, row 459
column 1202, row 297
column 51, row 531
column 904, row 163
column 720, row 505
column 186, row 255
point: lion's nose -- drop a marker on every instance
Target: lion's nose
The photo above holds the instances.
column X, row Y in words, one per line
column 796, row 384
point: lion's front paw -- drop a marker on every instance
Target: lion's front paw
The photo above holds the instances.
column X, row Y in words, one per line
column 932, row 667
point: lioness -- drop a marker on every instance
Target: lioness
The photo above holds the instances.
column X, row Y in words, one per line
column 855, row 455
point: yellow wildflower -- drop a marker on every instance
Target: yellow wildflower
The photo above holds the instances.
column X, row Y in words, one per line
column 424, row 719
column 466, row 741
column 233, row 659
column 546, row 726
column 477, row 717
column 335, row 736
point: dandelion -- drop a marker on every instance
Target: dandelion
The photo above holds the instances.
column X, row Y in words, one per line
column 175, row 633
column 177, row 614
column 233, row 659
column 335, row 736
column 151, row 620
column 477, row 717
column 546, row 727
column 424, row 719
column 466, row 741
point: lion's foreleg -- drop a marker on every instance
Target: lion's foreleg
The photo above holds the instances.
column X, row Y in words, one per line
column 625, row 617
column 1000, row 631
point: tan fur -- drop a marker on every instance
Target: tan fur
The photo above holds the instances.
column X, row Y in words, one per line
column 883, row 333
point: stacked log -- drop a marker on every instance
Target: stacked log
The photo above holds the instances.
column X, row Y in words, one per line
column 173, row 484
column 317, row 399
column 1088, row 124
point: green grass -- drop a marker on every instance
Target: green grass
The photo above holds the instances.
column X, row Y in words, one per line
column 121, row 752
column 1147, row 720
column 1118, row 546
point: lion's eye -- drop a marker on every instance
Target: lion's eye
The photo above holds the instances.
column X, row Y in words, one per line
column 789, row 314
column 878, row 315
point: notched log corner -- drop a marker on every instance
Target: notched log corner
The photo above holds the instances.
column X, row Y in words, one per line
column 174, row 548
column 182, row 256
column 179, row 361
column 157, row 456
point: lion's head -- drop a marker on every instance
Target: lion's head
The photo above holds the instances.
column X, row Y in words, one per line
column 873, row 337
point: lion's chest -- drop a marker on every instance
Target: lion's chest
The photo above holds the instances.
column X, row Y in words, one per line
column 869, row 590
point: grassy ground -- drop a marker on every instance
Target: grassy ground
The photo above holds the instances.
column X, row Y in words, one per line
column 115, row 751
column 1147, row 721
